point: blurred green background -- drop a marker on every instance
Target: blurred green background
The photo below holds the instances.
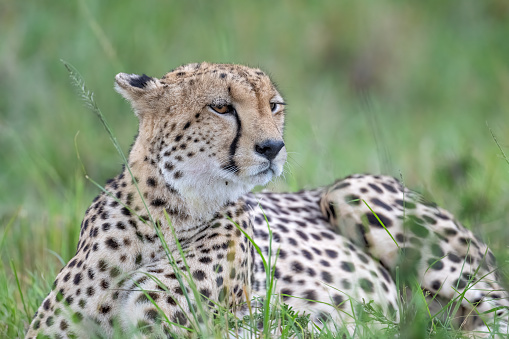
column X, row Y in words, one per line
column 380, row 86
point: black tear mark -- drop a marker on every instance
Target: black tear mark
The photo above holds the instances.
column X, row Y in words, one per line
column 232, row 166
column 139, row 81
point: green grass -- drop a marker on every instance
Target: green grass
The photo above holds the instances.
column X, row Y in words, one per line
column 374, row 86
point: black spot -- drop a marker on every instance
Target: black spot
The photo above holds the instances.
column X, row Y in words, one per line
column 450, row 231
column 454, row 258
column 373, row 221
column 90, row 291
column 180, row 318
column 346, row 284
column 437, row 250
column 385, row 274
column 352, row 199
column 297, row 267
column 105, row 284
column 205, row 260
column 302, row 235
column 125, row 211
column 178, row 175
column 138, row 259
column 114, row 272
column 103, row 309
column 463, row 241
column 406, row 204
column 415, row 241
column 77, row 279
column 342, row 185
column 431, row 221
column 310, row 295
column 223, row 293
column 416, row 228
column 111, row 243
column 460, row 283
column 178, row 290
column 347, row 266
column 106, row 226
column 139, row 81
column 170, row 300
column 158, row 202
column 326, row 277
column 68, row 301
column 435, row 264
column 331, row 253
column 381, row 204
column 366, row 285
column 388, row 187
column 327, row 235
column 77, row 317
column 306, row 254
column 102, row 265
column 442, row 216
column 199, row 275
column 205, row 292
column 337, row 299
column 186, row 126
column 152, row 314
column 325, row 263
column 151, row 182
column 376, row 188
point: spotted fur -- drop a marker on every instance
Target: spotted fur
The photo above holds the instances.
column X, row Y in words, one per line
column 208, row 134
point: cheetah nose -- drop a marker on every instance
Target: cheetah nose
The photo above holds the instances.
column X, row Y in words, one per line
column 269, row 148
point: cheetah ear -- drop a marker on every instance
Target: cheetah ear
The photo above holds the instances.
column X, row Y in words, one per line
column 133, row 86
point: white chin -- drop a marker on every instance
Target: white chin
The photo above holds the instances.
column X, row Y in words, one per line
column 264, row 177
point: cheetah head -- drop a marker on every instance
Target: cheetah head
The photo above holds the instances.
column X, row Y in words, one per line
column 212, row 131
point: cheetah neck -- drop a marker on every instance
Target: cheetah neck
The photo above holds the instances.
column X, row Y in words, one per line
column 152, row 193
column 188, row 202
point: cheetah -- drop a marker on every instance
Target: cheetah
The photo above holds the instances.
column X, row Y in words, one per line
column 208, row 134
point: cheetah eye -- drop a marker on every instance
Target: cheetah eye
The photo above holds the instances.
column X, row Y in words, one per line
column 275, row 106
column 222, row 109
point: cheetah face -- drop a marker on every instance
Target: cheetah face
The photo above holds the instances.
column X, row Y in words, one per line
column 209, row 127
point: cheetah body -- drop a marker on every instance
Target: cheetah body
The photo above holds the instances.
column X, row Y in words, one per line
column 208, row 134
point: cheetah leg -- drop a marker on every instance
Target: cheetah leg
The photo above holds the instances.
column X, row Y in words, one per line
column 419, row 238
column 157, row 304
